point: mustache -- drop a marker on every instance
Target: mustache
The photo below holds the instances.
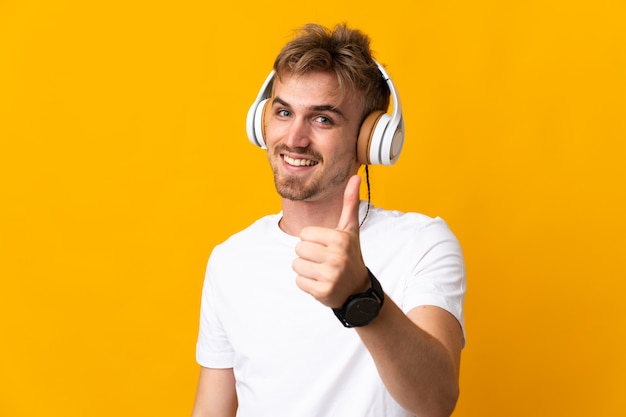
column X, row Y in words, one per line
column 299, row 151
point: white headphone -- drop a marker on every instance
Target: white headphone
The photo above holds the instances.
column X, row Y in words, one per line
column 380, row 138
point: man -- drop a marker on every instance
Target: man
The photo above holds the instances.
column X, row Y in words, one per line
column 331, row 307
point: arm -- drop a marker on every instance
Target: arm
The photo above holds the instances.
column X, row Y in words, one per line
column 216, row 395
column 417, row 356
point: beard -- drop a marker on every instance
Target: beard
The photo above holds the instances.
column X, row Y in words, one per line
column 296, row 188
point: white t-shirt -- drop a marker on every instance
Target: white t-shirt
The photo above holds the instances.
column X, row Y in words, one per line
column 290, row 355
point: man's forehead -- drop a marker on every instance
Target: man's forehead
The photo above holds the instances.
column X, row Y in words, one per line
column 317, row 88
column 332, row 108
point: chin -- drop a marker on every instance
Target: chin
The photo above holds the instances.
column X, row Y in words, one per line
column 295, row 190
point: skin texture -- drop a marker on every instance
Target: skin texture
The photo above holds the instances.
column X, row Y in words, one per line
column 311, row 138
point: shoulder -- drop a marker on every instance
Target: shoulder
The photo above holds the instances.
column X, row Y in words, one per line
column 381, row 220
column 413, row 234
column 262, row 227
column 259, row 242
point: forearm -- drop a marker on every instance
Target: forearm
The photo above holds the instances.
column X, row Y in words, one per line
column 419, row 371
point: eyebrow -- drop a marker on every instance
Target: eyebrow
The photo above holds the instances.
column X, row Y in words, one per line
column 320, row 107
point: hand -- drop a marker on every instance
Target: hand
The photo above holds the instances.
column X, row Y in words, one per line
column 330, row 266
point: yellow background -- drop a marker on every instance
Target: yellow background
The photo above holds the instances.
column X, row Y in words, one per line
column 123, row 160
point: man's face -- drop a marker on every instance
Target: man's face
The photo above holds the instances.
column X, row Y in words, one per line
column 311, row 136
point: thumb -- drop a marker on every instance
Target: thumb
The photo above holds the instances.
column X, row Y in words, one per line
column 349, row 220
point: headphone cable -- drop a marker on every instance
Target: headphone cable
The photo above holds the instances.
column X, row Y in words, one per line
column 369, row 193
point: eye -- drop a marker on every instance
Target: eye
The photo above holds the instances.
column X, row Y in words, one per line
column 283, row 113
column 324, row 120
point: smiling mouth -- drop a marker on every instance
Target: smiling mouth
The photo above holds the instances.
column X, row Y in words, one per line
column 299, row 162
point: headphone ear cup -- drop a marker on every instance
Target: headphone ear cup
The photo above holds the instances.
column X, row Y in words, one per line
column 260, row 123
column 255, row 127
column 254, row 134
column 392, row 142
column 366, row 133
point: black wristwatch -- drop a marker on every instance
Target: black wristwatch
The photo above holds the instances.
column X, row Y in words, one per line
column 361, row 309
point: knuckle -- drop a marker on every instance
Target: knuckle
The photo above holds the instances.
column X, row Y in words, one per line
column 340, row 239
column 337, row 262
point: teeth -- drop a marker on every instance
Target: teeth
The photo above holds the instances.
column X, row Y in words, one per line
column 299, row 162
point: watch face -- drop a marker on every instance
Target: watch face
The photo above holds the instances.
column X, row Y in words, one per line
column 361, row 311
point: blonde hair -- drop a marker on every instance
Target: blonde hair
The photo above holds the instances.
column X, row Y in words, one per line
column 342, row 50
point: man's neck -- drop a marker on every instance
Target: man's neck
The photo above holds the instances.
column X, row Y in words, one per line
column 300, row 214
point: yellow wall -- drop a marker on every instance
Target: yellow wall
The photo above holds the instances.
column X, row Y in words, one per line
column 123, row 160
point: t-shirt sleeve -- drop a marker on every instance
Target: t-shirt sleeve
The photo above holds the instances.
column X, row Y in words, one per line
column 213, row 349
column 438, row 276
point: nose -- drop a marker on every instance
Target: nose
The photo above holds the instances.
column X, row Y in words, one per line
column 298, row 133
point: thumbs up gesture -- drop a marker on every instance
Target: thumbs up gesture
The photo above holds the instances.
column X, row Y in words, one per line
column 329, row 265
